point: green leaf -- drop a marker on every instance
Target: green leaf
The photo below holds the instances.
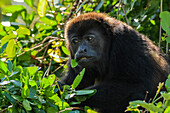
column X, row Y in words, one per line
column 3, row 48
column 2, row 75
column 74, row 103
column 5, row 39
column 85, row 92
column 14, row 63
column 48, row 21
column 31, row 70
column 9, row 64
column 167, row 110
column 11, row 49
column 32, row 83
column 80, row 98
column 17, row 97
column 59, row 17
column 52, row 110
column 25, row 92
column 51, row 79
column 26, row 105
column 29, row 2
column 4, row 83
column 16, row 82
column 99, row 5
column 9, row 97
column 2, row 32
column 74, row 63
column 31, row 17
column 132, row 4
column 42, row 4
column 25, row 57
column 9, row 28
column 3, row 67
column 23, row 31
column 62, row 105
column 165, row 23
column 166, row 96
column 149, row 107
column 91, row 111
column 65, row 50
column 167, row 85
column 33, row 91
column 76, row 111
column 55, row 98
column 78, row 79
column 81, row 6
column 45, row 83
column 168, row 39
column 13, row 9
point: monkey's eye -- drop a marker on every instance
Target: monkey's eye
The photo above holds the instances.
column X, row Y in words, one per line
column 90, row 37
column 74, row 40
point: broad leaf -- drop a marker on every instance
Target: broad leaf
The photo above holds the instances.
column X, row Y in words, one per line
column 33, row 91
column 29, row 2
column 48, row 21
column 52, row 110
column 23, row 31
column 78, row 79
column 84, row 92
column 165, row 23
column 167, row 85
column 65, row 50
column 3, row 67
column 13, row 8
column 9, row 64
column 42, row 4
column 9, row 97
column 26, row 105
column 11, row 49
column 5, row 39
column 74, row 63
column 149, row 107
column 51, row 79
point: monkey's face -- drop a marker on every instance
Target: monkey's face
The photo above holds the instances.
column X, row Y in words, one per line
column 87, row 46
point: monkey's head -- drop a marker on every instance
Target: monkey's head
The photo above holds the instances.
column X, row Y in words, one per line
column 88, row 35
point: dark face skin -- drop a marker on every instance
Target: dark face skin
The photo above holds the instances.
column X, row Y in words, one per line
column 87, row 47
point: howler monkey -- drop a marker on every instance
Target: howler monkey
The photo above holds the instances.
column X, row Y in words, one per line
column 120, row 63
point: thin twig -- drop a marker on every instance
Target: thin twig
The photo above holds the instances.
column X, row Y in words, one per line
column 118, row 10
column 71, row 108
column 53, row 3
column 146, row 95
column 58, row 68
column 160, row 30
column 110, row 8
column 46, row 45
column 49, row 5
column 73, row 8
column 49, row 67
column 167, row 48
column 44, row 52
column 125, row 14
column 37, row 46
column 40, row 45
column 6, row 108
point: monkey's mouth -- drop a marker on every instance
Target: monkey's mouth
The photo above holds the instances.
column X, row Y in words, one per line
column 84, row 59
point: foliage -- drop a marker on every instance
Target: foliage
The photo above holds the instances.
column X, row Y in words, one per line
column 155, row 106
column 26, row 90
column 33, row 53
